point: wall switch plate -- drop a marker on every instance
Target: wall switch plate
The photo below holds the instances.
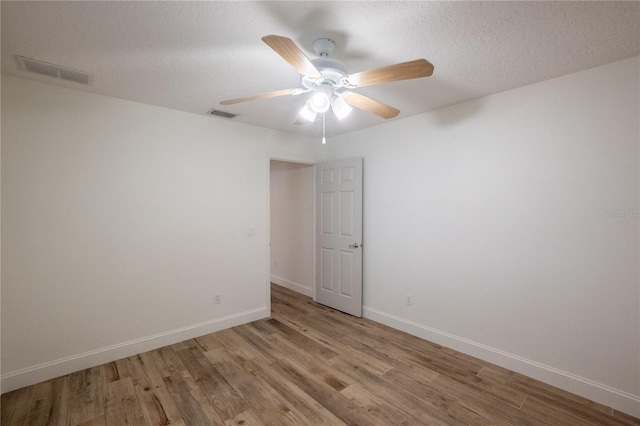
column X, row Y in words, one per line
column 251, row 231
column 216, row 299
column 407, row 300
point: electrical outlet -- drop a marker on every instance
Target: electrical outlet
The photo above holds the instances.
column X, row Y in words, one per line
column 216, row 299
column 408, row 300
column 251, row 231
column 275, row 263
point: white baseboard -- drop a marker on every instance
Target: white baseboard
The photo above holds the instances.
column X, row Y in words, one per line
column 307, row 291
column 611, row 397
column 49, row 370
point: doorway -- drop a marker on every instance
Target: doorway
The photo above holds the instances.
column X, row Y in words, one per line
column 292, row 226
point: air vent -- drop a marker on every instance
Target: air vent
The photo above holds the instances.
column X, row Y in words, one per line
column 219, row 113
column 52, row 70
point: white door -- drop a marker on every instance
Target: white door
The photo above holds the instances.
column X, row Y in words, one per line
column 339, row 235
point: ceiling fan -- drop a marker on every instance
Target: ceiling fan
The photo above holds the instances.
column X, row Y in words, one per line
column 330, row 84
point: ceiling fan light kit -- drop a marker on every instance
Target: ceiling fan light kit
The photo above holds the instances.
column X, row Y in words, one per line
column 308, row 113
column 340, row 107
column 331, row 85
column 319, row 102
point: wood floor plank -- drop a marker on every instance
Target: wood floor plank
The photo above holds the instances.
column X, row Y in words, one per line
column 157, row 406
column 246, row 418
column 154, row 407
column 289, row 419
column 146, row 363
column 312, row 412
column 227, row 340
column 305, row 365
column 380, row 364
column 167, row 362
column 263, row 326
column 483, row 404
column 193, row 409
column 347, row 411
column 122, row 405
column 439, row 405
column 208, row 342
column 556, row 400
column 297, row 337
column 262, row 399
column 86, row 395
column 415, row 404
column 338, row 325
column 96, row 421
column 434, row 361
column 314, row 365
column 41, row 403
column 509, row 395
column 567, row 415
column 255, row 342
column 111, row 372
column 380, row 410
column 222, row 396
column 59, row 397
column 625, row 418
column 15, row 406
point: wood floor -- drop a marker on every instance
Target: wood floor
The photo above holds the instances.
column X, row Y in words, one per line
column 306, row 365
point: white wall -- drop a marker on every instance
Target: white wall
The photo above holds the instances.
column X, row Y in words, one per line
column 292, row 226
column 120, row 222
column 496, row 216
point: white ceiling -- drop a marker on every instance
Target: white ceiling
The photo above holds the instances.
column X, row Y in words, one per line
column 192, row 55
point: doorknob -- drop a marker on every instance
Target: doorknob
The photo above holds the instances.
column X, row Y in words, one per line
column 354, row 245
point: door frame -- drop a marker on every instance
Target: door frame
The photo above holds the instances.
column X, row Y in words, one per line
column 298, row 160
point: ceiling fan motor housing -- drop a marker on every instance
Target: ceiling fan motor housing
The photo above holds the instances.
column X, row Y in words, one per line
column 331, row 70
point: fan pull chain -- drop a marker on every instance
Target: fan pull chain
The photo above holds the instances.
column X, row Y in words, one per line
column 324, row 140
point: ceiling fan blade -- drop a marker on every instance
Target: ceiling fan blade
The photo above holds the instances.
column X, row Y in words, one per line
column 364, row 103
column 404, row 71
column 262, row 96
column 291, row 53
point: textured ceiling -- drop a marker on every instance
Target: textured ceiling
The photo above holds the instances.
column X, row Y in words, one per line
column 192, row 55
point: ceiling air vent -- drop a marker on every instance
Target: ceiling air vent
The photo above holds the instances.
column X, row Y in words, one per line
column 219, row 113
column 52, row 70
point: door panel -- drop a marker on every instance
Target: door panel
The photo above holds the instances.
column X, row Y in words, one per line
column 339, row 235
column 346, row 275
column 346, row 213
column 326, row 218
column 326, row 272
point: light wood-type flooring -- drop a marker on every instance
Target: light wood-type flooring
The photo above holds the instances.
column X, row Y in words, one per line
column 306, row 365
